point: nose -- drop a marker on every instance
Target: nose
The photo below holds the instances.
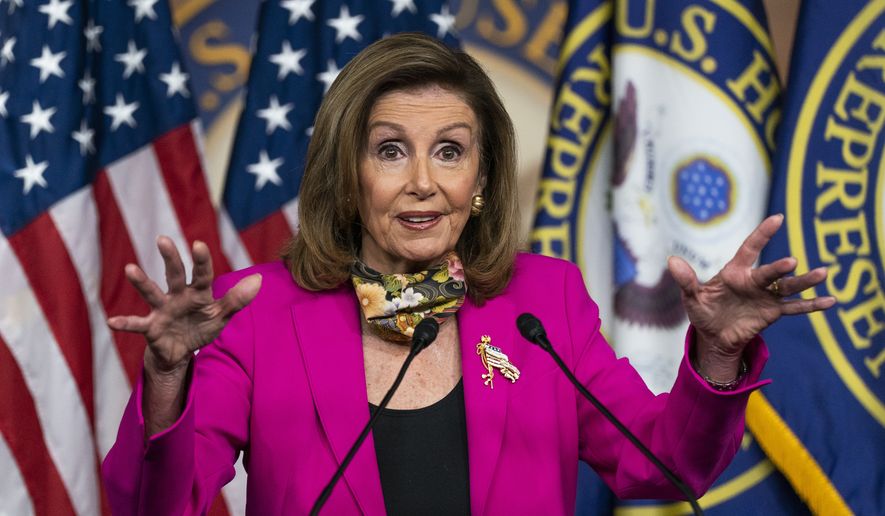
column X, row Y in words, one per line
column 421, row 182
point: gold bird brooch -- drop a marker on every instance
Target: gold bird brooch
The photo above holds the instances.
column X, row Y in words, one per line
column 493, row 358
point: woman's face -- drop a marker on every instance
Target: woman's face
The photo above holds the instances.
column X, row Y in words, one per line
column 417, row 177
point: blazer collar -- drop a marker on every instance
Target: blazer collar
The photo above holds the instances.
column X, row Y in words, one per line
column 329, row 337
column 328, row 331
column 485, row 407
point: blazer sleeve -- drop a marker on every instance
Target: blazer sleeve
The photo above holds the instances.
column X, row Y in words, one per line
column 695, row 430
column 181, row 469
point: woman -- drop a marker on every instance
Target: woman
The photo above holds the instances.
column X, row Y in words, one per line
column 408, row 196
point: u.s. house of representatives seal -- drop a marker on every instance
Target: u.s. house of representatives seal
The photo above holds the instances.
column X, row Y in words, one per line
column 660, row 146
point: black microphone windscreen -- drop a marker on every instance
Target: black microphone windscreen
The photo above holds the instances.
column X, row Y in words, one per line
column 425, row 333
column 530, row 327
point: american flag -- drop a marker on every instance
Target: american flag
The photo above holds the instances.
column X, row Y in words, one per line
column 98, row 155
column 303, row 44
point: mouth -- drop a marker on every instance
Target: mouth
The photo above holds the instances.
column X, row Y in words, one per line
column 419, row 221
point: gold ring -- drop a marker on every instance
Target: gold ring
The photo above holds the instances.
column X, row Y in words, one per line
column 775, row 288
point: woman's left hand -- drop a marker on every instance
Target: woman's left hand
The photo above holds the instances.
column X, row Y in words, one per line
column 741, row 301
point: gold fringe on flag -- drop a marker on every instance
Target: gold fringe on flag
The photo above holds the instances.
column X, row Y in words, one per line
column 791, row 457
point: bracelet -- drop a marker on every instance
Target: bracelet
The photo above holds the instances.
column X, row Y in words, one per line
column 726, row 386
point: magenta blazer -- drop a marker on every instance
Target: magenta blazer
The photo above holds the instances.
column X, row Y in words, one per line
column 285, row 384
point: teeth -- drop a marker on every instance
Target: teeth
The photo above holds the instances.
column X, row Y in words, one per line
column 418, row 219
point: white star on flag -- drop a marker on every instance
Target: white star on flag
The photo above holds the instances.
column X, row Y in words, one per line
column 57, row 10
column 176, row 81
column 275, row 115
column 143, row 8
column 4, row 96
column 92, row 32
column 345, row 25
column 132, row 59
column 445, row 21
column 121, row 113
column 298, row 9
column 32, row 174
column 87, row 84
column 288, row 60
column 6, row 55
column 265, row 170
column 401, row 5
column 13, row 4
column 84, row 138
column 49, row 63
column 38, row 119
column 329, row 76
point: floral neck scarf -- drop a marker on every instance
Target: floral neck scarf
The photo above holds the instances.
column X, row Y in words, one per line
column 393, row 304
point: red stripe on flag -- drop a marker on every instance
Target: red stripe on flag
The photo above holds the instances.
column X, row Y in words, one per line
column 266, row 238
column 56, row 285
column 21, row 429
column 182, row 171
column 218, row 507
column 117, row 295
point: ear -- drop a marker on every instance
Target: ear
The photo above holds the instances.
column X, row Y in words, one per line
column 480, row 183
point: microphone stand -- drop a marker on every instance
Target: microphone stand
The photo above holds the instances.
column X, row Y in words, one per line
column 530, row 328
column 424, row 335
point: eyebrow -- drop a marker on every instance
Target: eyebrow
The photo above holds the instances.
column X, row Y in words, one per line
column 398, row 127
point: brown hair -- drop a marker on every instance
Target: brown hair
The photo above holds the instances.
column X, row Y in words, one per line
column 328, row 241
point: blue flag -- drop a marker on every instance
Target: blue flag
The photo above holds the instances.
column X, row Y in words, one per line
column 303, row 44
column 822, row 421
column 661, row 142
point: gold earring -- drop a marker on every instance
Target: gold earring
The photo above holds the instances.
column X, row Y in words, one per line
column 477, row 204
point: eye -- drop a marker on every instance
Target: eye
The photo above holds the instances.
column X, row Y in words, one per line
column 389, row 151
column 450, row 153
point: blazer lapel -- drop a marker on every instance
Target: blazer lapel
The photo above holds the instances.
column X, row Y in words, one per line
column 485, row 407
column 330, row 341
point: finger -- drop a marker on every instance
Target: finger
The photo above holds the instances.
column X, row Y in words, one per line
column 804, row 306
column 175, row 278
column 749, row 251
column 240, row 295
column 765, row 275
column 796, row 284
column 147, row 288
column 684, row 275
column 130, row 323
column 202, row 277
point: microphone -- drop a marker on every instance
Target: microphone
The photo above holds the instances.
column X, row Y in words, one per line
column 424, row 334
column 533, row 331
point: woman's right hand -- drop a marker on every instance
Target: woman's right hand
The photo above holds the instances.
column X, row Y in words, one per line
column 187, row 316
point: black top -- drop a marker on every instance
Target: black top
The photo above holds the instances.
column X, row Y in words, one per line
column 422, row 457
